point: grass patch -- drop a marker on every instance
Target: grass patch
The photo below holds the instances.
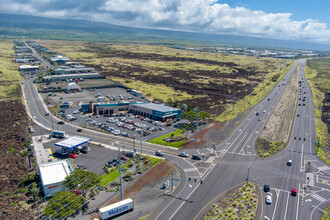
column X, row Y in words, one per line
column 326, row 214
column 272, row 139
column 159, row 140
column 9, row 75
column 240, row 204
column 318, row 76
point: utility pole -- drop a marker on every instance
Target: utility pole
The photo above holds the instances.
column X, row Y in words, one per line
column 141, row 143
column 234, row 100
column 121, row 185
column 172, row 182
column 196, row 110
column 248, row 175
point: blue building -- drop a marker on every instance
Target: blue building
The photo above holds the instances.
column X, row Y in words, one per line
column 151, row 110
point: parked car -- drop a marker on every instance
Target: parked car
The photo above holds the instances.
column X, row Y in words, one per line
column 159, row 153
column 123, row 157
column 293, row 192
column 183, row 154
column 47, row 114
column 266, row 188
column 72, row 155
column 268, row 199
column 81, row 166
column 76, row 112
column 196, row 157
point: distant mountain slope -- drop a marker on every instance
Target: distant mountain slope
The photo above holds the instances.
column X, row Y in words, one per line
column 71, row 29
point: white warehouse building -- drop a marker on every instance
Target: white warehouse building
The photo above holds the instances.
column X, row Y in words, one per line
column 52, row 175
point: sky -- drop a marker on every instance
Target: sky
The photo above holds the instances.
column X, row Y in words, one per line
column 304, row 20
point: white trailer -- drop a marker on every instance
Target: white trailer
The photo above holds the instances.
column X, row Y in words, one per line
column 116, row 209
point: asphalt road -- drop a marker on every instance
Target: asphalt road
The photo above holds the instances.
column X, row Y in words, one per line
column 235, row 162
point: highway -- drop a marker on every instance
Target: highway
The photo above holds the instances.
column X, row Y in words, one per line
column 234, row 163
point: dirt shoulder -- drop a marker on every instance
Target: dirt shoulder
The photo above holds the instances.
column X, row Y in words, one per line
column 211, row 132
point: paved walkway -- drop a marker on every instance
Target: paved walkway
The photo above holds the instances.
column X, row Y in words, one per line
column 42, row 155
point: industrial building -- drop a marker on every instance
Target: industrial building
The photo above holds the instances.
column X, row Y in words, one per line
column 28, row 68
column 61, row 71
column 151, row 110
column 52, row 175
column 71, row 76
column 59, row 59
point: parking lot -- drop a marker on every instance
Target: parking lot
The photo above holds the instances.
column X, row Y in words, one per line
column 94, row 160
column 127, row 125
column 109, row 94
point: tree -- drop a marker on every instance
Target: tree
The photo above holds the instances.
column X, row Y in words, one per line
column 64, row 204
column 80, row 179
column 184, row 107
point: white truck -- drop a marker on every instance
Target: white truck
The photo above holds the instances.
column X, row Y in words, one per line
column 115, row 209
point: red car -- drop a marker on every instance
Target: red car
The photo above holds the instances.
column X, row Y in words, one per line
column 293, row 192
column 72, row 155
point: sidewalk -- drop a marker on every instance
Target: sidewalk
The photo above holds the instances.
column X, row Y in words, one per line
column 42, row 155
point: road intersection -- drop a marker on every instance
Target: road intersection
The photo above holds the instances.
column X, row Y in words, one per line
column 233, row 163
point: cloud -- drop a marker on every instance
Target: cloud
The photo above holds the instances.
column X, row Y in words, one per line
column 187, row 15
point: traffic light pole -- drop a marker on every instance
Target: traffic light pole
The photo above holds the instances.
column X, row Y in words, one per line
column 188, row 180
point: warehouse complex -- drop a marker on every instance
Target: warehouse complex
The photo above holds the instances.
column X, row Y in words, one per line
column 147, row 109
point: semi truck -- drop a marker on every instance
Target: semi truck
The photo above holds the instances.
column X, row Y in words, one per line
column 115, row 209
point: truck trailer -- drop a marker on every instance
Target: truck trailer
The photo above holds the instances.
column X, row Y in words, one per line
column 115, row 209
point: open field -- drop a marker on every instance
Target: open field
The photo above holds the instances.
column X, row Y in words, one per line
column 9, row 76
column 318, row 76
column 278, row 127
column 195, row 78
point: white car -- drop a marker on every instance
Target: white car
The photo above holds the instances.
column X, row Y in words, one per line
column 268, row 199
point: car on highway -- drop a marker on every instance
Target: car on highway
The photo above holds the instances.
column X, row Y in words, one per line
column 73, row 155
column 268, row 99
column 289, row 163
column 298, row 115
column 60, row 122
column 47, row 114
column 159, row 153
column 293, row 192
column 183, row 154
column 259, row 119
column 257, row 113
column 196, row 157
column 266, row 188
column 268, row 199
column 79, row 130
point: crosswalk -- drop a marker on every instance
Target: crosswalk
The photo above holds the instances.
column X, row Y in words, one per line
column 318, row 197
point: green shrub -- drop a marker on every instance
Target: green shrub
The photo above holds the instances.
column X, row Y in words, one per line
column 5, row 193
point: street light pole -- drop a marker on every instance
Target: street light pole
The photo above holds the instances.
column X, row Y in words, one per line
column 121, row 185
column 196, row 110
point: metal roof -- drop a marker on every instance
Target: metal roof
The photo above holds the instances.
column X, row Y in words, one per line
column 156, row 107
column 73, row 142
column 54, row 172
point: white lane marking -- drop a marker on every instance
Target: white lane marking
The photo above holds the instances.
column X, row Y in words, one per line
column 318, row 197
column 324, row 168
column 286, row 206
column 190, row 170
column 297, row 213
column 302, row 161
column 240, row 142
column 277, row 194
